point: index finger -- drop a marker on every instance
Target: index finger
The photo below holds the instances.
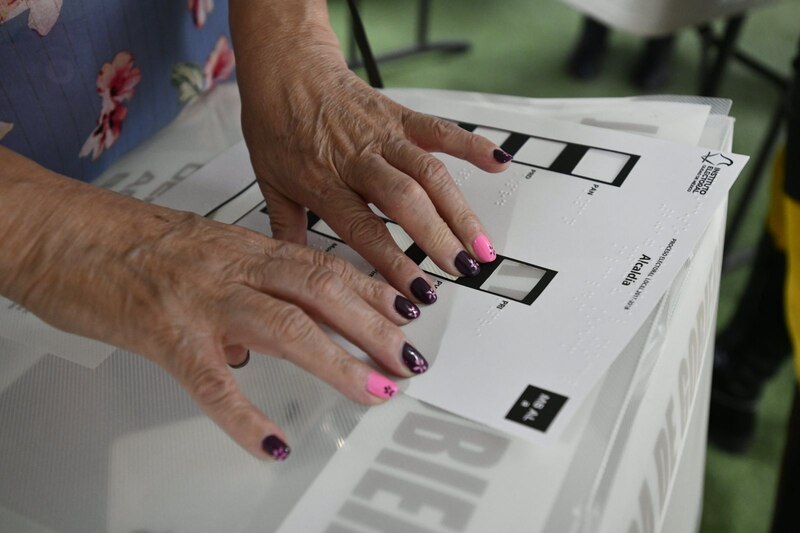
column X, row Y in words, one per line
column 437, row 135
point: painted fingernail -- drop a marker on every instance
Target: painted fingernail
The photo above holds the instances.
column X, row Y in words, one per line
column 422, row 291
column 501, row 156
column 405, row 308
column 484, row 249
column 466, row 264
column 414, row 360
column 275, row 448
column 381, row 386
column 243, row 363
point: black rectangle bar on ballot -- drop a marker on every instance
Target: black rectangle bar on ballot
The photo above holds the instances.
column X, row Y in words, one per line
column 569, row 158
column 467, row 126
column 415, row 253
column 626, row 169
column 514, row 142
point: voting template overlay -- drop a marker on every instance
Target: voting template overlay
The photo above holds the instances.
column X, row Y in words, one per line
column 591, row 226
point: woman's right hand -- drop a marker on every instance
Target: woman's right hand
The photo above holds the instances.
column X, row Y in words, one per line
column 194, row 295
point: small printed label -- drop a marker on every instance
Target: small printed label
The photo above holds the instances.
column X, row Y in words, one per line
column 536, row 408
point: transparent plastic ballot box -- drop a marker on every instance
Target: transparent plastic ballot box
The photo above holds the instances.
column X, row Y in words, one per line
column 118, row 446
column 661, row 17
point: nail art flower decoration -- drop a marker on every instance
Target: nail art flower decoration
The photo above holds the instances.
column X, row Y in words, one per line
column 389, row 391
column 42, row 15
column 191, row 81
column 414, row 360
column 419, row 367
column 116, row 82
column 5, row 129
column 280, row 454
column 275, row 448
column 200, row 10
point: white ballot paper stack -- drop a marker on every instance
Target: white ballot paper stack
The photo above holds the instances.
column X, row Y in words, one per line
column 591, row 227
column 577, row 362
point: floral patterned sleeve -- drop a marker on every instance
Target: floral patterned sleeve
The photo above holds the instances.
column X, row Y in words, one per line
column 85, row 81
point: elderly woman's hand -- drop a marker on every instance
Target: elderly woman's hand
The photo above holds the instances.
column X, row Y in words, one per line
column 192, row 295
column 320, row 138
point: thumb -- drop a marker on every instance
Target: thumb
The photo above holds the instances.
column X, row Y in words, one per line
column 286, row 217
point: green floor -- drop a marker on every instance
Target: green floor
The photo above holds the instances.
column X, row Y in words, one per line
column 519, row 47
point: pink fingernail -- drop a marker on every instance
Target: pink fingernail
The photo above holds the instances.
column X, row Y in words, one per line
column 380, row 386
column 484, row 249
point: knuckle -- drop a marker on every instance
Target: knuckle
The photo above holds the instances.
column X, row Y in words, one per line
column 398, row 262
column 434, row 173
column 344, row 368
column 279, row 249
column 441, row 239
column 291, row 325
column 441, row 129
column 477, row 143
column 378, row 291
column 212, row 387
column 240, row 416
column 366, row 230
column 466, row 220
column 323, row 281
column 332, row 263
column 408, row 194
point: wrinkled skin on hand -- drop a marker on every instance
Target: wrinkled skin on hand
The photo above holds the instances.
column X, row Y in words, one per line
column 192, row 294
column 320, row 138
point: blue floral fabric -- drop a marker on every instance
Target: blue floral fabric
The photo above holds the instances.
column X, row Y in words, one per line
column 82, row 82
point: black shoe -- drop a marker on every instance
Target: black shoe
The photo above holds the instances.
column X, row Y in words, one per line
column 586, row 60
column 751, row 350
column 654, row 69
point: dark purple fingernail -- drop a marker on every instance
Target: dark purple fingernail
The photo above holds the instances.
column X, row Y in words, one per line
column 467, row 265
column 405, row 308
column 501, row 156
column 275, row 448
column 422, row 291
column 414, row 360
column 243, row 363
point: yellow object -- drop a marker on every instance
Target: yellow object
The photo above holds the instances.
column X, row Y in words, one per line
column 784, row 226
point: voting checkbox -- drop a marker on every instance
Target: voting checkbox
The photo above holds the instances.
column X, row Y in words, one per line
column 601, row 165
column 514, row 280
column 539, row 152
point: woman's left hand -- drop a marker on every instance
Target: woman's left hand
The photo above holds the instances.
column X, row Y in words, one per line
column 320, row 138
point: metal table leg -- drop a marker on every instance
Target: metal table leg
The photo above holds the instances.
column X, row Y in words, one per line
column 422, row 44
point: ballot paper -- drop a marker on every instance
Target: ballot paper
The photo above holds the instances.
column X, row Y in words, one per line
column 591, row 227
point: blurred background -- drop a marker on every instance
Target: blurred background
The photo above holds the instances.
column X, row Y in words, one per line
column 522, row 48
